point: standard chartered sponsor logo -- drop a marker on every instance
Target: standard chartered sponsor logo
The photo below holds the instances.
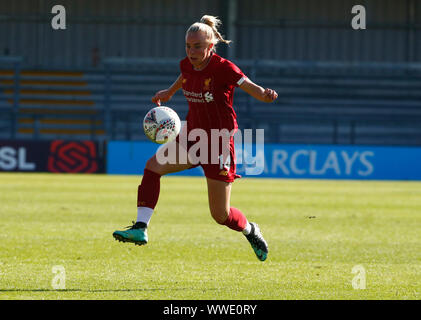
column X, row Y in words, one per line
column 198, row 97
column 193, row 96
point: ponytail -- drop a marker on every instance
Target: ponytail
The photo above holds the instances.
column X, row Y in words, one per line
column 209, row 25
column 214, row 23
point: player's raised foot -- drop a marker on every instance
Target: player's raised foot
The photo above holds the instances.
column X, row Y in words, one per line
column 257, row 242
column 136, row 234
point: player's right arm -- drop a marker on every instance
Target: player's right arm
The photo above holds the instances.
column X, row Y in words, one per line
column 256, row 91
column 166, row 94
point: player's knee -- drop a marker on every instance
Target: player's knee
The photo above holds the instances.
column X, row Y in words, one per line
column 220, row 216
column 150, row 164
column 153, row 165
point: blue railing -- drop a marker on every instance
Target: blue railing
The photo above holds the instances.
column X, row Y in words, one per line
column 122, row 90
column 15, row 63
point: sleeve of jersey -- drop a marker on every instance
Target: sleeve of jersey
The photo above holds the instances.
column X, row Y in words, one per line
column 233, row 75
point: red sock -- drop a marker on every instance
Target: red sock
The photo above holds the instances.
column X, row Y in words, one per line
column 236, row 220
column 148, row 190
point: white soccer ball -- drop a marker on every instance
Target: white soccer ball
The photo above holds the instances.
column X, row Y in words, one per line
column 161, row 124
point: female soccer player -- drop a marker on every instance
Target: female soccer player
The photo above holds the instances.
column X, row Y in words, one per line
column 208, row 83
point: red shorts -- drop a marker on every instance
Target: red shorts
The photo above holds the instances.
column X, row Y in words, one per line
column 222, row 167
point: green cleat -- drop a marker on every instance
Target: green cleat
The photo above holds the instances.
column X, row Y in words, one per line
column 257, row 242
column 136, row 234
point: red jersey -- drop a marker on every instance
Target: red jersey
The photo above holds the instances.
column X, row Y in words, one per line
column 210, row 93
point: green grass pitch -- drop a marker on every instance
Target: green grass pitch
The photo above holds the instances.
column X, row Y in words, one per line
column 317, row 231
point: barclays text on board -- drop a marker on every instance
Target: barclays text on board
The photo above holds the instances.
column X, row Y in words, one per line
column 310, row 163
column 291, row 161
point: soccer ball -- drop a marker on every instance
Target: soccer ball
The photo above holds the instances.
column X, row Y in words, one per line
column 161, row 124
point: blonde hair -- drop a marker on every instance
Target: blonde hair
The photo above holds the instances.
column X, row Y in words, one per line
column 209, row 25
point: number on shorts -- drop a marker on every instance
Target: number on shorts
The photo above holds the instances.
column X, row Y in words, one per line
column 224, row 165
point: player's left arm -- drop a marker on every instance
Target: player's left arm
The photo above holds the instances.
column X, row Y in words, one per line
column 256, row 91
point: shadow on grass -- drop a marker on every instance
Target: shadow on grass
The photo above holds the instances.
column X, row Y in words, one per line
column 39, row 290
column 104, row 290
